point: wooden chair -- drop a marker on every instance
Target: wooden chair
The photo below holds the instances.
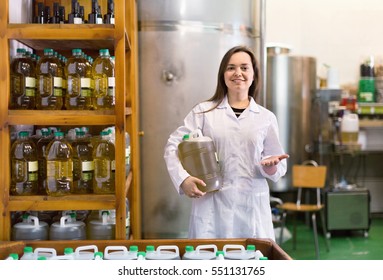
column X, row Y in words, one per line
column 310, row 176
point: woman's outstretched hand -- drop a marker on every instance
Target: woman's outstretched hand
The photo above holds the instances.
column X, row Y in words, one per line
column 270, row 164
column 273, row 160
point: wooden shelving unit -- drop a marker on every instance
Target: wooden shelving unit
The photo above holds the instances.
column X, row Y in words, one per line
column 122, row 39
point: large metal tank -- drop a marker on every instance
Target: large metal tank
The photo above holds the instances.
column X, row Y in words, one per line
column 290, row 90
column 181, row 43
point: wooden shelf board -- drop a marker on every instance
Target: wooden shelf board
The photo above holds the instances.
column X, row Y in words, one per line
column 61, row 117
column 62, row 36
column 69, row 202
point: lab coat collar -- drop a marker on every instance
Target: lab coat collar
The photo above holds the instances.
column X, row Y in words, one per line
column 254, row 107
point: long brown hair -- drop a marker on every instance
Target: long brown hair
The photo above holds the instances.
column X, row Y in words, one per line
column 221, row 90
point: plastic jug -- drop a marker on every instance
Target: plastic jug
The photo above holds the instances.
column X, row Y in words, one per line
column 12, row 257
column 350, row 129
column 163, row 252
column 47, row 253
column 68, row 255
column 198, row 156
column 202, row 252
column 30, row 229
column 85, row 252
column 28, row 254
column 238, row 252
column 120, row 253
column 67, row 229
column 102, row 228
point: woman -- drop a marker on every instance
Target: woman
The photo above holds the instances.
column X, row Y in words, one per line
column 245, row 135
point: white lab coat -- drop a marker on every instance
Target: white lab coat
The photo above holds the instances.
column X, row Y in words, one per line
column 241, row 209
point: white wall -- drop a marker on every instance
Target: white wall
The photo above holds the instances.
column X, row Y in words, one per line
column 340, row 33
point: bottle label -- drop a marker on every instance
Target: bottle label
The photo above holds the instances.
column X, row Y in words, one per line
column 99, row 20
column 87, row 165
column 85, row 82
column 127, row 155
column 87, row 176
column 30, row 92
column 33, row 166
column 85, row 87
column 77, row 20
column 57, row 82
column 111, row 81
column 111, row 20
column 366, row 91
column 111, row 86
column 32, row 171
column 113, row 165
column 30, row 82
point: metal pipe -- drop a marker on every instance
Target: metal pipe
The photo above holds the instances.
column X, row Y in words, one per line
column 263, row 56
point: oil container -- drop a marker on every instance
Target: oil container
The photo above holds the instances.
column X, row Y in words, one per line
column 198, row 156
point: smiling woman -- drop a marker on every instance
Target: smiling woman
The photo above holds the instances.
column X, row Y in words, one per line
column 245, row 135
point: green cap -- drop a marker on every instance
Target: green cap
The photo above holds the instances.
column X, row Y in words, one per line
column 189, row 248
column 28, row 249
column 133, row 248
column 99, row 254
column 68, row 251
column 14, row 256
column 150, row 248
column 250, row 247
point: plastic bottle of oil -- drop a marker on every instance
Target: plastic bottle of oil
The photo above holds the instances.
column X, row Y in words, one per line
column 49, row 79
column 104, row 81
column 199, row 158
column 23, row 82
column 83, row 165
column 78, row 74
column 42, row 143
column 24, row 166
column 59, row 158
column 104, row 165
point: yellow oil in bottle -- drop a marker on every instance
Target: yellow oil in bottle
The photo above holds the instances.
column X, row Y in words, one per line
column 42, row 143
column 78, row 75
column 24, row 166
column 59, row 156
column 49, row 80
column 104, row 165
column 83, row 165
column 104, row 81
column 23, row 82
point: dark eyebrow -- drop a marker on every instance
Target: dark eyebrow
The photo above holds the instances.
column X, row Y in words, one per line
column 242, row 64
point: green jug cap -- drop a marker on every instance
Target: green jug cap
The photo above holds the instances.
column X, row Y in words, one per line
column 250, row 247
column 150, row 248
column 100, row 254
column 220, row 253
column 133, row 248
column 28, row 249
column 189, row 248
column 14, row 256
column 68, row 251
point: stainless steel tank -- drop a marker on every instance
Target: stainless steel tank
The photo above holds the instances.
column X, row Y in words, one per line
column 290, row 90
column 181, row 44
